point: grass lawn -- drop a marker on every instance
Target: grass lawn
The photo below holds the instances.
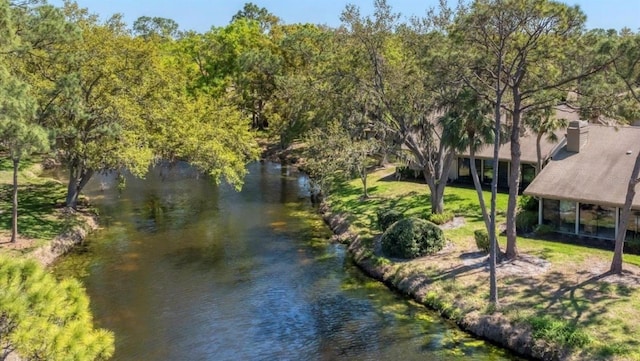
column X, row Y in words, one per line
column 561, row 290
column 39, row 216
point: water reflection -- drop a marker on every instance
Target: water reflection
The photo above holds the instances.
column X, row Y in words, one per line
column 187, row 270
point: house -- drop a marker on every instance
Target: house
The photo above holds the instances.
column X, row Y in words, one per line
column 461, row 172
column 583, row 187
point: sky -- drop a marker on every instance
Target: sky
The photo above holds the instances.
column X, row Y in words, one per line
column 201, row 15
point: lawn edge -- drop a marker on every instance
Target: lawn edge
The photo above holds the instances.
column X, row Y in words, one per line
column 65, row 242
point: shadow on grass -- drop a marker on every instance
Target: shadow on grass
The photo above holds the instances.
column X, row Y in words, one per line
column 582, row 304
column 38, row 214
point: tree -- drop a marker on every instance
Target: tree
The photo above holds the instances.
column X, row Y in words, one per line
column 332, row 154
column 251, row 11
column 98, row 101
column 43, row 319
column 470, row 127
column 307, row 86
column 627, row 67
column 19, row 136
column 164, row 28
column 394, row 71
column 525, row 56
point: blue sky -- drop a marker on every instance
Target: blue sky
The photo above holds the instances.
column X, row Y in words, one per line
column 200, row 15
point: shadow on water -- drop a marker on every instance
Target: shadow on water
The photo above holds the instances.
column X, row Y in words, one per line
column 186, row 269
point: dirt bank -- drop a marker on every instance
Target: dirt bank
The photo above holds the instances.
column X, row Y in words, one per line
column 66, row 241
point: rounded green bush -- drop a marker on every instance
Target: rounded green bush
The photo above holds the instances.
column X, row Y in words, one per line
column 526, row 221
column 482, row 240
column 387, row 217
column 412, row 237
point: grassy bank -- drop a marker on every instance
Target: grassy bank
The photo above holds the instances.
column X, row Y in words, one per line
column 558, row 294
column 40, row 215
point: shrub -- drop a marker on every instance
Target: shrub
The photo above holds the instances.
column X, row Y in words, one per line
column 412, row 237
column 387, row 217
column 528, row 203
column 543, row 229
column 441, row 218
column 526, row 221
column 632, row 246
column 482, row 240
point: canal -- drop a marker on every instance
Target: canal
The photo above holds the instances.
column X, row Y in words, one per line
column 186, row 270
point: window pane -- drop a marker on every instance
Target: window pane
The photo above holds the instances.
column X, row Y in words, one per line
column 487, row 174
column 567, row 216
column 551, row 213
column 597, row 221
column 463, row 168
column 503, row 174
column 633, row 228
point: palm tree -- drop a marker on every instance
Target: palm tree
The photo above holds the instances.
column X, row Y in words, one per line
column 544, row 123
column 468, row 127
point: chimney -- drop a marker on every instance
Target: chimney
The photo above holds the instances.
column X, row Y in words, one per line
column 577, row 135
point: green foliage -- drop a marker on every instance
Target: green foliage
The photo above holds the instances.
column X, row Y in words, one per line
column 527, row 203
column 558, row 331
column 441, row 218
column 388, row 216
column 632, row 246
column 42, row 319
column 543, row 229
column 412, row 237
column 526, row 221
column 482, row 240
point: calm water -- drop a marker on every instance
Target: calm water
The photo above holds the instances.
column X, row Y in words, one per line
column 185, row 270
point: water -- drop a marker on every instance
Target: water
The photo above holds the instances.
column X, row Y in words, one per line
column 186, row 270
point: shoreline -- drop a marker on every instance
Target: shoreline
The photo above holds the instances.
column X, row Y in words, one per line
column 65, row 242
column 495, row 327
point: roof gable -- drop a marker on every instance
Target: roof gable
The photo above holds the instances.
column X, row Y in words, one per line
column 598, row 174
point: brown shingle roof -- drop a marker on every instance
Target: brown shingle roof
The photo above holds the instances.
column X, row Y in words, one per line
column 598, row 174
column 528, row 152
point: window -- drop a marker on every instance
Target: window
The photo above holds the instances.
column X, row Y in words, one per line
column 487, row 172
column 597, row 221
column 503, row 174
column 464, row 171
column 551, row 212
column 567, row 216
column 633, row 227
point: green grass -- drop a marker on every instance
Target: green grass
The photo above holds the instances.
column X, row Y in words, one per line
column 568, row 305
column 39, row 198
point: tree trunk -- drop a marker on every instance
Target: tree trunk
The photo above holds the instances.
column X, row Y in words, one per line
column 78, row 179
column 616, row 263
column 363, row 178
column 478, row 186
column 14, row 215
column 514, row 182
column 493, row 239
column 438, row 182
column 437, row 199
column 539, row 152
